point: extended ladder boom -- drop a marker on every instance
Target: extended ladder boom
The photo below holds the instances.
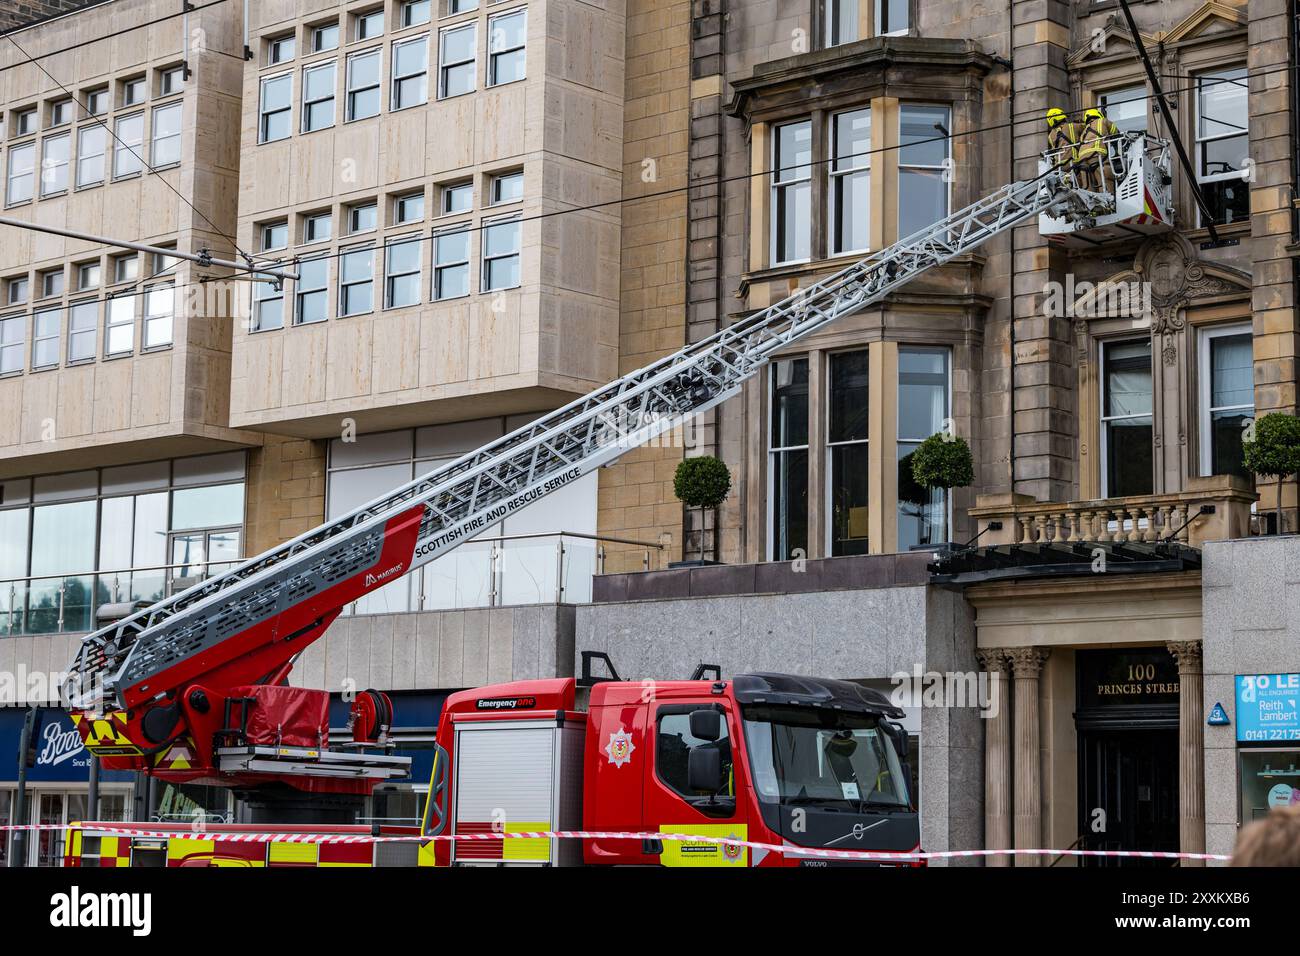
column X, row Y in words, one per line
column 248, row 624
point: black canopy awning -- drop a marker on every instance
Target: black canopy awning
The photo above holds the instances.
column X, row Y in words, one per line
column 1060, row 559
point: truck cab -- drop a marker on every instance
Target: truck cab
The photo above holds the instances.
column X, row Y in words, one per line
column 785, row 762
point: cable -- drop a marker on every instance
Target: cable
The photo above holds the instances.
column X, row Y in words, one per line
column 217, row 229
column 106, row 36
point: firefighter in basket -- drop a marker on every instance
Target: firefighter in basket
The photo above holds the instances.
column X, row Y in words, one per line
column 1093, row 162
column 1062, row 139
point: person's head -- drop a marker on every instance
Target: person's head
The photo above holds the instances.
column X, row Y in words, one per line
column 1055, row 115
column 1272, row 841
column 1093, row 114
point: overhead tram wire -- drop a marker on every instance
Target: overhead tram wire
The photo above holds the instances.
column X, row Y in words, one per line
column 717, row 181
column 143, row 162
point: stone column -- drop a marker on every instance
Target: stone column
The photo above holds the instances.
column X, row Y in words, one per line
column 1026, row 666
column 997, row 756
column 1191, row 750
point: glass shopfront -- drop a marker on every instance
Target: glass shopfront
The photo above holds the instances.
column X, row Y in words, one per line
column 1268, row 743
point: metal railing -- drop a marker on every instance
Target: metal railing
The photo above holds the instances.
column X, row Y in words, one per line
column 537, row 568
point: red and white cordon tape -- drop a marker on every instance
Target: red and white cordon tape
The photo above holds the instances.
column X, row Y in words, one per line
column 786, row 849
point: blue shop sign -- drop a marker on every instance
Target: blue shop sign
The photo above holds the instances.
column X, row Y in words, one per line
column 1268, row 707
column 61, row 757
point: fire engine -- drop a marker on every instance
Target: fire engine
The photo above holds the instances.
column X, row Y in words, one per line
column 195, row 687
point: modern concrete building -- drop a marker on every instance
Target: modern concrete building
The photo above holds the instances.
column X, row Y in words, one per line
column 494, row 207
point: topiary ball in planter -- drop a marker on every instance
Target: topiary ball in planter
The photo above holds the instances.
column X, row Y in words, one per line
column 702, row 482
column 943, row 461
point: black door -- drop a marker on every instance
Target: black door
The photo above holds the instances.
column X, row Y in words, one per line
column 1128, row 793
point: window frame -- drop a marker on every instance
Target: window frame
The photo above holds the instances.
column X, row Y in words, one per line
column 1202, row 179
column 299, row 292
column 167, row 109
column 274, row 45
column 92, row 333
column 13, row 346
column 394, row 97
column 263, row 114
column 320, row 29
column 351, row 92
column 123, row 147
column 438, row 267
column 780, row 186
column 771, row 453
column 1103, row 364
column 56, row 336
column 265, row 291
column 308, row 105
column 835, row 178
column 11, row 177
column 151, row 319
column 83, row 155
column 445, row 192
column 66, row 165
column 444, row 67
column 945, row 166
column 830, row 444
column 485, row 260
column 399, row 203
column 405, row 6
column 900, row 439
column 409, row 239
column 111, row 323
column 493, row 55
column 343, row 286
column 1205, row 388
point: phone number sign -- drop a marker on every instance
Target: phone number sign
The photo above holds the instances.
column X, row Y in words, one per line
column 1268, row 707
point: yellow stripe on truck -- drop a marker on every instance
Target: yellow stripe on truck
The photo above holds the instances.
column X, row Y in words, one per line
column 526, row 848
column 287, row 853
column 690, row 853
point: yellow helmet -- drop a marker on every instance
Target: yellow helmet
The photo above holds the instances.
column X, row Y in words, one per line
column 1054, row 116
column 1093, row 114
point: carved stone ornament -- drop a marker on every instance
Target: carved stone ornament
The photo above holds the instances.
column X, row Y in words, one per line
column 1175, row 276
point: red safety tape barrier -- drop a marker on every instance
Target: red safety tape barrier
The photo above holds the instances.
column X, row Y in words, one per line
column 816, row 852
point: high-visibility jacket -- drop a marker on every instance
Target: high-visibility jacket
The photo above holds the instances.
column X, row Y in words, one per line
column 1092, row 141
column 1063, row 142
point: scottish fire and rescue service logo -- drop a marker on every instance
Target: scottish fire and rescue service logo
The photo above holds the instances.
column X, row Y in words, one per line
column 733, row 852
column 620, row 747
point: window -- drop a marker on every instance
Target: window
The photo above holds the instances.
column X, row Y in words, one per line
column 1222, row 145
column 357, row 281
column 363, row 85
column 922, row 412
column 922, row 167
column 501, row 255
column 847, row 436
column 788, row 459
column 410, row 73
column 402, row 272
column 171, row 81
column 119, row 334
column 51, row 283
column 508, row 187
column 163, row 262
column 275, row 235
column 317, row 227
column 126, row 149
column 61, row 113
column 325, row 37
column 1126, row 108
column 318, row 97
column 268, row 306
column 891, row 17
column 97, row 102
column 850, row 176
column 133, row 91
column 12, row 329
column 673, row 745
column 792, row 193
column 415, row 12
column 370, row 25
column 159, row 301
column 126, row 268
column 1127, row 459
column 363, row 217
column 841, row 21
column 1227, row 400
column 17, row 289
column 312, row 298
column 166, row 136
column 461, row 6
column 276, row 107
column 457, row 197
column 281, row 49
column 451, row 264
column 83, row 329
column 92, row 142
column 87, row 276
column 25, row 122
column 456, row 61
column 22, row 171
column 506, row 48
column 45, row 338
column 55, row 156
column 408, row 208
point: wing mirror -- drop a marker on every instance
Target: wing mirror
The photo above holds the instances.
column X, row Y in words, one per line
column 704, row 769
column 706, row 724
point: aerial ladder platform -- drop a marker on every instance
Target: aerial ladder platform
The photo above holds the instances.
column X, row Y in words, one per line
column 167, row 690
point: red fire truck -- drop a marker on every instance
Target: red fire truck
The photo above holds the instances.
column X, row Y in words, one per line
column 792, row 762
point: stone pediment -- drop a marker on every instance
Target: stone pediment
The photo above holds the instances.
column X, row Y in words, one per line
column 1210, row 18
column 1113, row 41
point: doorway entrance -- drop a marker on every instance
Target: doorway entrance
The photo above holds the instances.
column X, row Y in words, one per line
column 1127, row 725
